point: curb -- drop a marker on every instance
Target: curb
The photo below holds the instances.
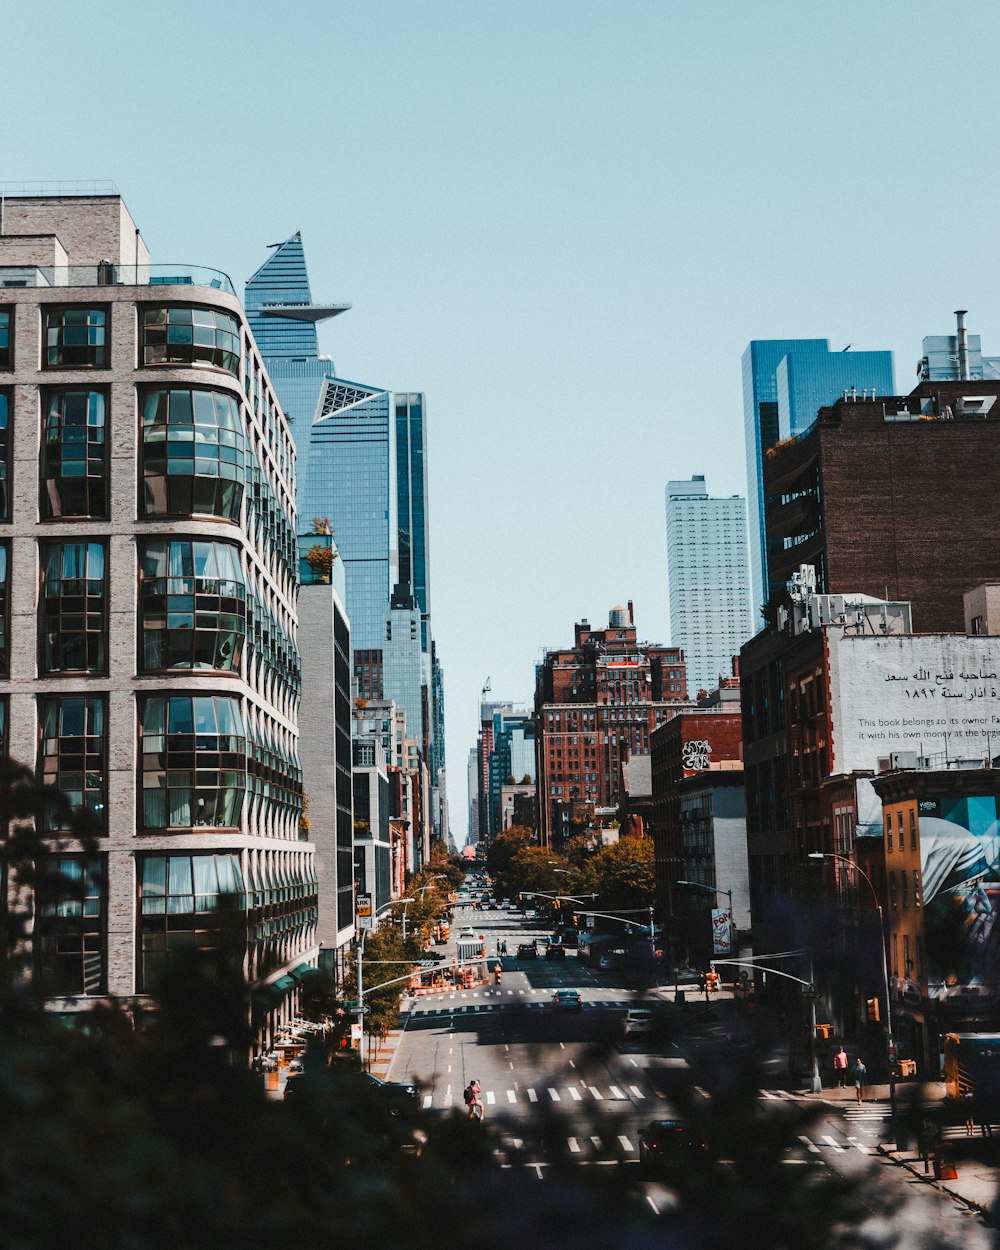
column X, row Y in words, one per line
column 929, row 1179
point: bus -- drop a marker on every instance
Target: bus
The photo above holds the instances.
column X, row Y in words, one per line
column 972, row 1068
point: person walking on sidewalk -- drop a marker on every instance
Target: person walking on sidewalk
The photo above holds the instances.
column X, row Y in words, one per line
column 840, row 1067
column 860, row 1074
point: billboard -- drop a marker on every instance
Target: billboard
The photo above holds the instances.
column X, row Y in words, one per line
column 960, row 871
column 931, row 694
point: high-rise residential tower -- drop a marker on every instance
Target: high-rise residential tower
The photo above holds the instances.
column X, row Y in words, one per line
column 709, row 582
column 148, row 559
column 785, row 383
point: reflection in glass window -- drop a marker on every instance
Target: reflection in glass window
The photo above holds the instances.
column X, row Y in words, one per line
column 6, row 338
column 71, row 759
column 192, row 453
column 70, row 924
column 73, row 603
column 194, row 762
column 186, row 902
column 75, row 338
column 74, row 455
column 190, row 336
column 193, row 605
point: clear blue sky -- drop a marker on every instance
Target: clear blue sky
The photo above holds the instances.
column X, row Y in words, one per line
column 562, row 221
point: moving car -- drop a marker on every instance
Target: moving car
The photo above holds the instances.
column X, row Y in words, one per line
column 638, row 1021
column 567, row 1000
column 555, row 950
column 391, row 1089
column 527, row 950
column 668, row 1146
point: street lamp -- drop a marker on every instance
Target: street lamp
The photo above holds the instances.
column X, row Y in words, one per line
column 711, row 889
column 816, row 855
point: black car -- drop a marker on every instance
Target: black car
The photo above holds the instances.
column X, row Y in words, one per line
column 527, row 950
column 669, row 1145
column 555, row 950
column 391, row 1089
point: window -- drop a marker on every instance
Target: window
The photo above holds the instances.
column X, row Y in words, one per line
column 75, row 338
column 186, row 902
column 190, row 336
column 892, row 890
column 72, row 760
column 916, row 887
column 194, row 762
column 70, row 925
column 192, row 454
column 4, row 608
column 5, row 449
column 73, row 609
column 913, row 830
column 194, row 613
column 7, row 337
column 74, row 455
column 888, row 833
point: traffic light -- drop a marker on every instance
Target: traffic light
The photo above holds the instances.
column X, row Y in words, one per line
column 711, row 980
column 824, row 1031
column 873, row 1011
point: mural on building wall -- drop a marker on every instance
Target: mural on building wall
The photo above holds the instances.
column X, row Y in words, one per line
column 960, row 868
column 694, row 755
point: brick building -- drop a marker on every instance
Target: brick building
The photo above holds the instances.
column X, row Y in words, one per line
column 149, row 570
column 698, row 821
column 596, row 705
column 892, row 497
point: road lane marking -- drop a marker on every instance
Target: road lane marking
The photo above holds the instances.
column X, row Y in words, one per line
column 510, row 1065
column 637, row 1091
column 858, row 1145
column 596, row 1093
column 766, row 1093
column 490, row 1097
column 574, row 1145
column 703, row 1093
column 532, row 1096
column 572, row 1064
column 428, row 1100
column 554, row 1095
column 562, row 1045
column 830, row 1142
column 633, row 1063
column 597, row 1142
column 616, row 1091
column 512, row 1095
column 810, row 1146
column 575, row 1094
column 626, row 1144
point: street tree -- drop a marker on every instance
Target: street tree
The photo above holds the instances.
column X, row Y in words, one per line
column 624, row 875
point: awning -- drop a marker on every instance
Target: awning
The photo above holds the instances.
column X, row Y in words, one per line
column 285, row 984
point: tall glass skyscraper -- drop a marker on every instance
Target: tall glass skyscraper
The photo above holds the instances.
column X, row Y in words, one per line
column 709, row 580
column 785, row 383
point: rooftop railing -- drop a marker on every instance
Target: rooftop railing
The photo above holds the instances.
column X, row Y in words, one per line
column 107, row 274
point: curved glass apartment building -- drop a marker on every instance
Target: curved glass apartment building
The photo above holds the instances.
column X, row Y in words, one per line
column 149, row 563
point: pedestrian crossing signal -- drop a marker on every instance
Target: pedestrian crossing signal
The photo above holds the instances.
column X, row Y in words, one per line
column 873, row 1011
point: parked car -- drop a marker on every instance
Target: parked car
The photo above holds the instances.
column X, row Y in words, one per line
column 638, row 1022
column 667, row 1146
column 527, row 950
column 567, row 1000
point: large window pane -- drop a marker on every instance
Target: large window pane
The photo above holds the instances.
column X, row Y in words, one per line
column 75, row 338
column 193, row 454
column 70, row 925
column 73, row 608
column 71, row 760
column 74, row 455
column 190, row 336
column 193, row 606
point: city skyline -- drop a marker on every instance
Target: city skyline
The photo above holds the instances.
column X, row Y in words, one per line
column 478, row 272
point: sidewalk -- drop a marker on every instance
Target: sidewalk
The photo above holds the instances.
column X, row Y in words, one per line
column 975, row 1160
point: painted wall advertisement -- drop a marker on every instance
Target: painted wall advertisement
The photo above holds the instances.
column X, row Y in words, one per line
column 931, row 694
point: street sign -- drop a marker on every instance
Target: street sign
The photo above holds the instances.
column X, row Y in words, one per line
column 363, row 905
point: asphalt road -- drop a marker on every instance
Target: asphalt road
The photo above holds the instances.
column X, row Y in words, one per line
column 568, row 1085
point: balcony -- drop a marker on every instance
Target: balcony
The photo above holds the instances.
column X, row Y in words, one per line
column 106, row 274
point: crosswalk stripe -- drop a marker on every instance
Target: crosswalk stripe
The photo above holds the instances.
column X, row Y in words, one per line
column 810, row 1146
column 532, row 1096
column 830, row 1142
column 574, row 1145
column 704, row 1093
column 859, row 1145
column 597, row 1142
column 490, row 1097
column 617, row 1092
column 512, row 1095
column 766, row 1093
column 428, row 1100
column 554, row 1095
column 626, row 1144
column 575, row 1094
column 596, row 1092
column 637, row 1092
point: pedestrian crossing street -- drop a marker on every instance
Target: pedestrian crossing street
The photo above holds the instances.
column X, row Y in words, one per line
column 549, row 1091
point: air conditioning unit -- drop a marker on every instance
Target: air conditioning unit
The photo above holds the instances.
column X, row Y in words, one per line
column 902, row 759
column 885, row 763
